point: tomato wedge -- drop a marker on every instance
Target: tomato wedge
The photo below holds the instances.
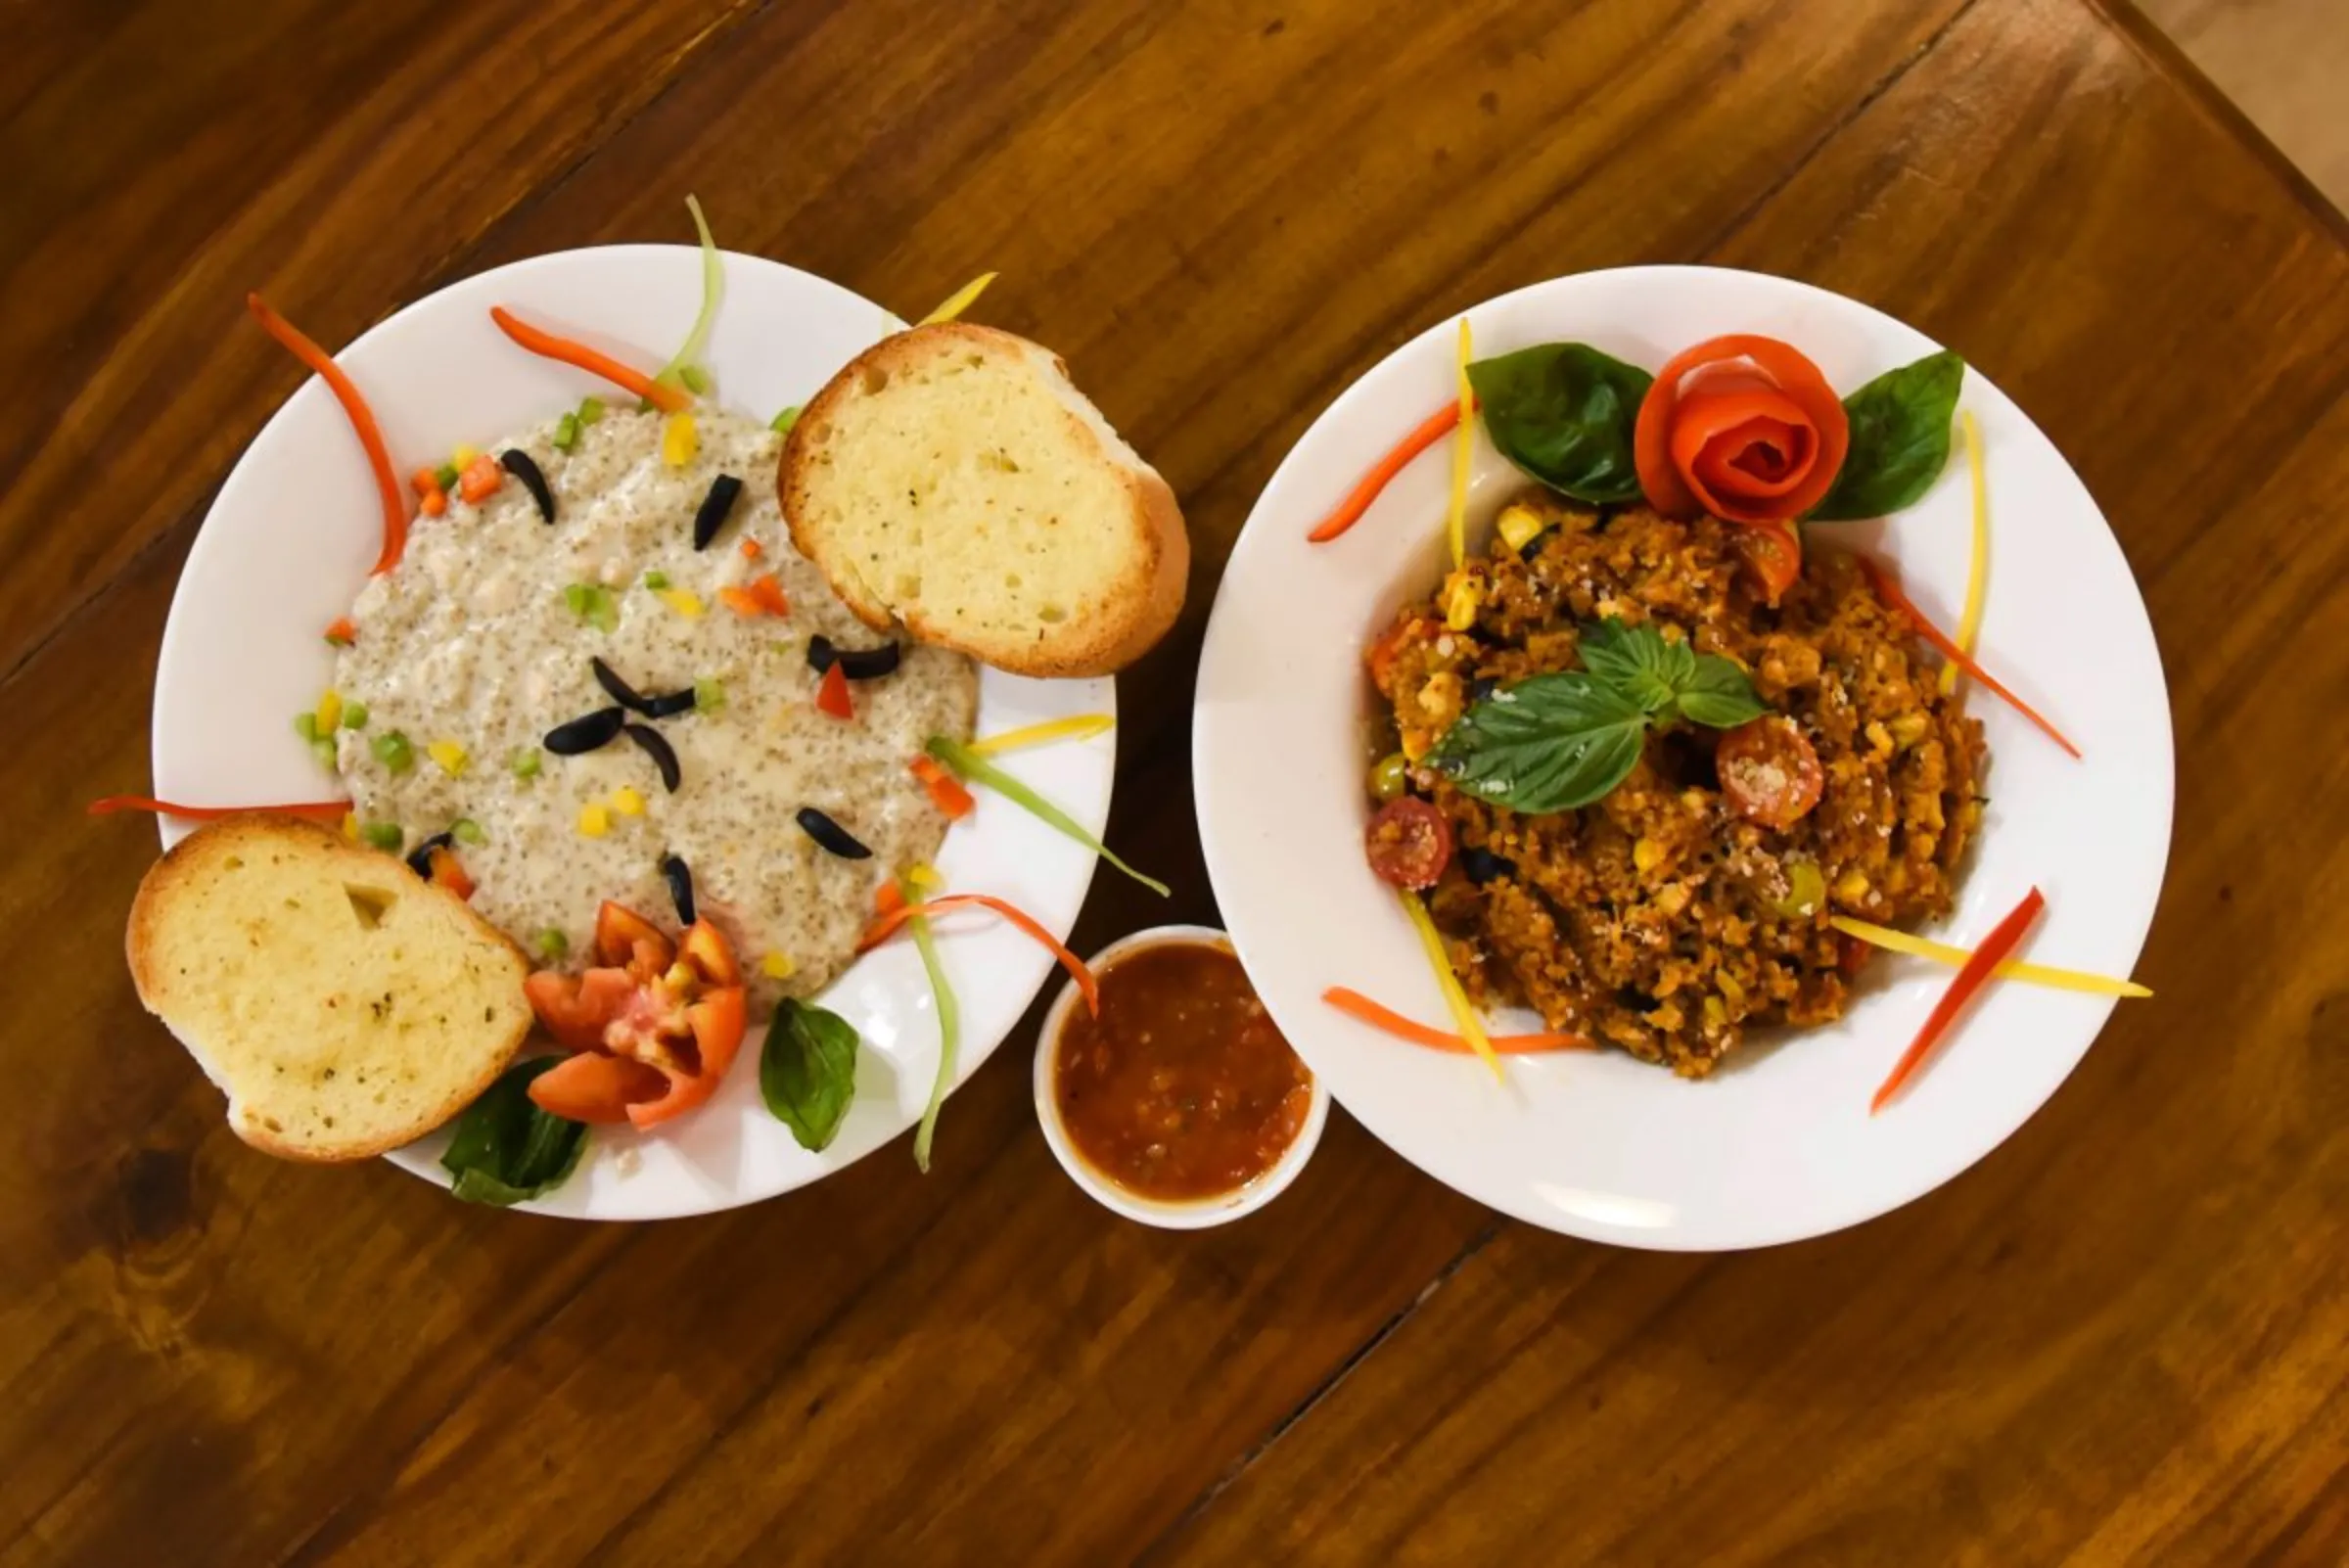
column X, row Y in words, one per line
column 1773, row 556
column 594, row 1087
column 620, row 934
column 575, row 1008
column 832, row 693
column 717, row 1022
column 704, row 947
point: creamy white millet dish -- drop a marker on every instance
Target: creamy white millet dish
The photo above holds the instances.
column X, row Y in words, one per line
column 477, row 644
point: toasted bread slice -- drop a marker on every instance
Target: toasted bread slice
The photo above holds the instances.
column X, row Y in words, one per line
column 345, row 1004
column 952, row 479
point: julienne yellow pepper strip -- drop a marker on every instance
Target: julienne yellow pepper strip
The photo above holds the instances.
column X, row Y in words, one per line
column 959, row 301
column 1941, row 952
column 1471, row 1027
column 1464, row 452
column 1978, row 572
column 1084, row 726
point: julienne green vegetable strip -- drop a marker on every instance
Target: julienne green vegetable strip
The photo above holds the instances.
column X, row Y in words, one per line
column 971, row 767
column 686, row 363
column 948, row 1023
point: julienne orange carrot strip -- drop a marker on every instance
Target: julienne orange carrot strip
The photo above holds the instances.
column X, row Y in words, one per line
column 1354, row 1004
column 362, row 422
column 2004, row 938
column 947, row 792
column 315, row 811
column 668, row 399
column 340, row 633
column 887, row 924
column 1888, row 589
column 1430, row 431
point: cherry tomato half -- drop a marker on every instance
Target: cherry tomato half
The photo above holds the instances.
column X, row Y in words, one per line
column 1409, row 843
column 1769, row 772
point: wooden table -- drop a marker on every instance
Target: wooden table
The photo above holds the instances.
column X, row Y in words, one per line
column 2122, row 1339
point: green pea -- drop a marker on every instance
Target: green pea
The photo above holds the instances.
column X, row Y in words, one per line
column 305, row 724
column 385, row 836
column 355, row 715
column 785, row 420
column 656, row 580
column 1806, row 890
column 1390, row 777
column 527, row 764
column 465, row 830
column 551, row 943
column 323, row 749
column 391, row 749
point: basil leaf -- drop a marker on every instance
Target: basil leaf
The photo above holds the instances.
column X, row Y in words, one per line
column 1637, row 662
column 807, row 1071
column 1550, row 743
column 1899, row 438
column 505, row 1150
column 1720, row 695
column 1564, row 413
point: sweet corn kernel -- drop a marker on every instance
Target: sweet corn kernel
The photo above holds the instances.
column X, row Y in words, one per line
column 1648, row 854
column 1672, row 900
column 594, row 819
column 1851, row 887
column 350, row 827
column 683, row 601
column 330, row 711
column 679, row 440
column 463, row 456
column 627, row 801
column 1461, row 601
column 450, row 755
column 1519, row 525
column 776, row 966
column 1879, row 738
column 923, row 875
column 1716, row 1016
column 1910, row 728
column 1731, row 992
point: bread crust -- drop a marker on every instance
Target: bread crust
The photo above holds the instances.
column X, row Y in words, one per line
column 1143, row 608
column 191, row 858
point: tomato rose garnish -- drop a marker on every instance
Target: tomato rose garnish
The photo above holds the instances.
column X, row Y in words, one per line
column 1742, row 427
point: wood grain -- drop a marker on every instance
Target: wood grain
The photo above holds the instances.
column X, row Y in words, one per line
column 2119, row 1339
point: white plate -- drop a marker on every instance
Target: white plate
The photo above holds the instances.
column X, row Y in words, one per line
column 1778, row 1145
column 288, row 544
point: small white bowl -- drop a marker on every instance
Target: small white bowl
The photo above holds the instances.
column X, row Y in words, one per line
column 1196, row 1215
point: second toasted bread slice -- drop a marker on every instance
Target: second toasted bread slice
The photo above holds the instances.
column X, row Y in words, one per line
column 952, row 479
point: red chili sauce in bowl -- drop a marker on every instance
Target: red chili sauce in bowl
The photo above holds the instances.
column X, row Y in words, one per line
column 1181, row 1088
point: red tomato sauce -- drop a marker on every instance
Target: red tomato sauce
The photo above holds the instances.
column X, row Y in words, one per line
column 1182, row 1088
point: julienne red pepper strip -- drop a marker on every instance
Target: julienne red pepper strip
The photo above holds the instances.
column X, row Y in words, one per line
column 329, row 811
column 1429, row 431
column 1888, row 589
column 670, row 399
column 362, row 422
column 887, row 923
column 1355, row 1005
column 2004, row 938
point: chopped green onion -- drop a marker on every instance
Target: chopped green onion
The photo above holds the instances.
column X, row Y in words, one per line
column 696, row 379
column 391, row 749
column 446, row 476
column 323, row 748
column 783, row 422
column 355, row 715
column 656, row 580
column 689, row 353
column 709, row 695
column 591, row 411
column 465, row 830
column 566, row 433
column 551, row 943
column 919, row 925
column 592, row 603
column 973, row 769
column 305, row 724
column 527, row 764
column 382, row 836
